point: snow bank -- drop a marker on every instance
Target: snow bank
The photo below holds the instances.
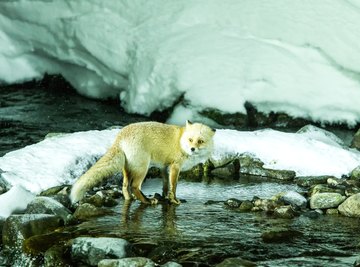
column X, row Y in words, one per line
column 299, row 57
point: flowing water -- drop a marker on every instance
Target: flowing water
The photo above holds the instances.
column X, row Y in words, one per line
column 198, row 231
column 206, row 232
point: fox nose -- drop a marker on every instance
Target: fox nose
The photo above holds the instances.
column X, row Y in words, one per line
column 193, row 149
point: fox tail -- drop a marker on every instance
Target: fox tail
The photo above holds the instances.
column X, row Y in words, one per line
column 112, row 162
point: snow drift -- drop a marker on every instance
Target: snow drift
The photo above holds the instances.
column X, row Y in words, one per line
column 298, row 57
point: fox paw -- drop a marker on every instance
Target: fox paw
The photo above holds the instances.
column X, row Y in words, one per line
column 153, row 201
column 175, row 201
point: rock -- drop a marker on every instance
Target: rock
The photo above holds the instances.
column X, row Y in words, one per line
column 229, row 170
column 351, row 206
column 307, row 181
column 233, row 203
column 2, row 222
column 265, row 204
column 253, row 166
column 326, row 200
column 324, row 188
column 171, row 264
column 55, row 257
column 332, row 212
column 279, row 235
column 91, row 250
column 357, row 262
column 128, row 262
column 86, row 211
column 321, row 135
column 285, row 212
column 230, row 262
column 54, row 190
column 355, row 174
column 100, row 199
column 47, row 205
column 355, row 143
column 246, row 206
column 335, row 182
column 19, row 227
column 295, row 199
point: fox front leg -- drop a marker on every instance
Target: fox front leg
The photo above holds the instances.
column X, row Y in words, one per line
column 173, row 177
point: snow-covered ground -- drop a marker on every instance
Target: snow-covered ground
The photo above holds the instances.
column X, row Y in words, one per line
column 62, row 159
column 300, row 57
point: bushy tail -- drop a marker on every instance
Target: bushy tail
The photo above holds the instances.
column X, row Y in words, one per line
column 108, row 165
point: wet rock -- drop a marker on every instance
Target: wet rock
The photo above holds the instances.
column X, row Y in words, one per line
column 171, row 264
column 326, row 200
column 355, row 174
column 230, row 262
column 355, row 143
column 294, row 198
column 253, row 166
column 229, row 170
column 246, row 206
column 101, row 199
column 357, row 262
column 307, row 181
column 351, row 206
column 47, row 205
column 90, row 250
column 133, row 262
column 56, row 257
column 54, row 190
column 313, row 214
column 324, row 188
column 280, row 235
column 233, row 203
column 332, row 212
column 265, row 204
column 86, row 211
column 195, row 174
column 285, row 212
column 352, row 191
column 335, row 182
column 19, row 227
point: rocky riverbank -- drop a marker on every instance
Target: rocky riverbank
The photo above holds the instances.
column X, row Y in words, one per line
column 52, row 232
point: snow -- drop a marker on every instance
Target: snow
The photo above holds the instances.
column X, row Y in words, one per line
column 284, row 56
column 62, row 159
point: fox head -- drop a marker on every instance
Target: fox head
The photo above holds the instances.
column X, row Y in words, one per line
column 197, row 139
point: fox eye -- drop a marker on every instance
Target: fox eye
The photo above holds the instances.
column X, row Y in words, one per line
column 200, row 142
column 190, row 140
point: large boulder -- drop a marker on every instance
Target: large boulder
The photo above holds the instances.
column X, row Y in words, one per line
column 351, row 206
column 133, row 262
column 294, row 199
column 47, row 205
column 91, row 250
column 326, row 200
column 19, row 227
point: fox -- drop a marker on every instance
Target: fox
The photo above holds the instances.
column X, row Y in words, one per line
column 138, row 146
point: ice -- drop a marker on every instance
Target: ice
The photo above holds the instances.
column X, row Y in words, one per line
column 283, row 56
column 16, row 199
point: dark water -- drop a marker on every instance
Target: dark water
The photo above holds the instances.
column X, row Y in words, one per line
column 30, row 111
column 193, row 231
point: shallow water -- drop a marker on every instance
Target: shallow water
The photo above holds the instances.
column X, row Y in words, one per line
column 208, row 233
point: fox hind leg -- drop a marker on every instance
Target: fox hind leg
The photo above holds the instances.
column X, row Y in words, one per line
column 137, row 178
column 125, row 186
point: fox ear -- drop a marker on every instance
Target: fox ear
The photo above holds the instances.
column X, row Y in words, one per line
column 188, row 123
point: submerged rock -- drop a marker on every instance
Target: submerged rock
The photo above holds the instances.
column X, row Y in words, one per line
column 19, row 227
column 239, row 262
column 285, row 212
column 86, row 211
column 326, row 200
column 90, row 250
column 279, row 235
column 127, row 262
column 351, row 206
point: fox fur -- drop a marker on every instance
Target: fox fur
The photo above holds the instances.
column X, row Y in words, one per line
column 141, row 145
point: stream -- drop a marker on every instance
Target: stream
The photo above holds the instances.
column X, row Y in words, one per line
column 199, row 232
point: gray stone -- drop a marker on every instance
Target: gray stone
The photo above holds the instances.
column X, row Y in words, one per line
column 285, row 212
column 246, row 206
column 19, row 227
column 355, row 174
column 91, row 250
column 351, row 206
column 324, row 188
column 311, row 180
column 127, row 262
column 47, row 205
column 232, row 203
column 230, row 262
column 171, row 264
column 326, row 200
column 332, row 212
column 265, row 204
column 229, row 170
column 56, row 257
column 295, row 199
column 86, row 211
